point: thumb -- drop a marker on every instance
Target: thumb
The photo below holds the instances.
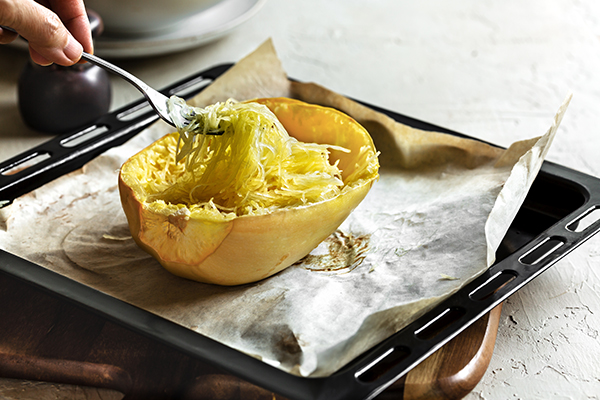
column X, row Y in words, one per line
column 49, row 40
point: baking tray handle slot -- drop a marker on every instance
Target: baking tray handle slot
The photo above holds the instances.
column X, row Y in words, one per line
column 542, row 251
column 493, row 285
column 134, row 112
column 436, row 325
column 190, row 87
column 382, row 364
column 27, row 161
column 84, row 135
column 585, row 220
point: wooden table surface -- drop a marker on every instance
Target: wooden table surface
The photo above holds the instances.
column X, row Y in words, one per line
column 493, row 70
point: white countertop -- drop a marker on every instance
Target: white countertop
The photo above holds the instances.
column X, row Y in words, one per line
column 493, row 70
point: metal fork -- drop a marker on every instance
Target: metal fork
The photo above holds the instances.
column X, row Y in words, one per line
column 157, row 100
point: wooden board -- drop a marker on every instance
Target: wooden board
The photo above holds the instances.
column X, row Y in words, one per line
column 43, row 338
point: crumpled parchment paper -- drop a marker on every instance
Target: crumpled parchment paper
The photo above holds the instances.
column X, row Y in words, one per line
column 429, row 225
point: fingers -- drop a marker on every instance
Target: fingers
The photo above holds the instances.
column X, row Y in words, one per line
column 7, row 36
column 75, row 18
column 69, row 55
column 49, row 40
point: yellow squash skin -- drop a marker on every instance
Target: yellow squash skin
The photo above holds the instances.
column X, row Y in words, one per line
column 242, row 249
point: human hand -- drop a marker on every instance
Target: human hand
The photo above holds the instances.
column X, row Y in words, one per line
column 57, row 30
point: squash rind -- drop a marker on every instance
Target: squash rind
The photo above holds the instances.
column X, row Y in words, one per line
column 234, row 250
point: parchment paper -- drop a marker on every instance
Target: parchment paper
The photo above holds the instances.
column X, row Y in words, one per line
column 429, row 225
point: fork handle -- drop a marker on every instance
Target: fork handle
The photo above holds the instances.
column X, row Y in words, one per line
column 157, row 100
column 135, row 81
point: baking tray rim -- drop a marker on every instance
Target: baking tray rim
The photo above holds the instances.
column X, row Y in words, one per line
column 355, row 379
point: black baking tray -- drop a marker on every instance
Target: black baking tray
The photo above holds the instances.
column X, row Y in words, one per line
column 556, row 217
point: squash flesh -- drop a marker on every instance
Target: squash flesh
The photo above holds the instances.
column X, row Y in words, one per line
column 253, row 168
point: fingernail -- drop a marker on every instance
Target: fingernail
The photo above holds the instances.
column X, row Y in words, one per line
column 73, row 49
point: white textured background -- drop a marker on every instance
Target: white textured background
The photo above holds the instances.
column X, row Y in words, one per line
column 495, row 70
